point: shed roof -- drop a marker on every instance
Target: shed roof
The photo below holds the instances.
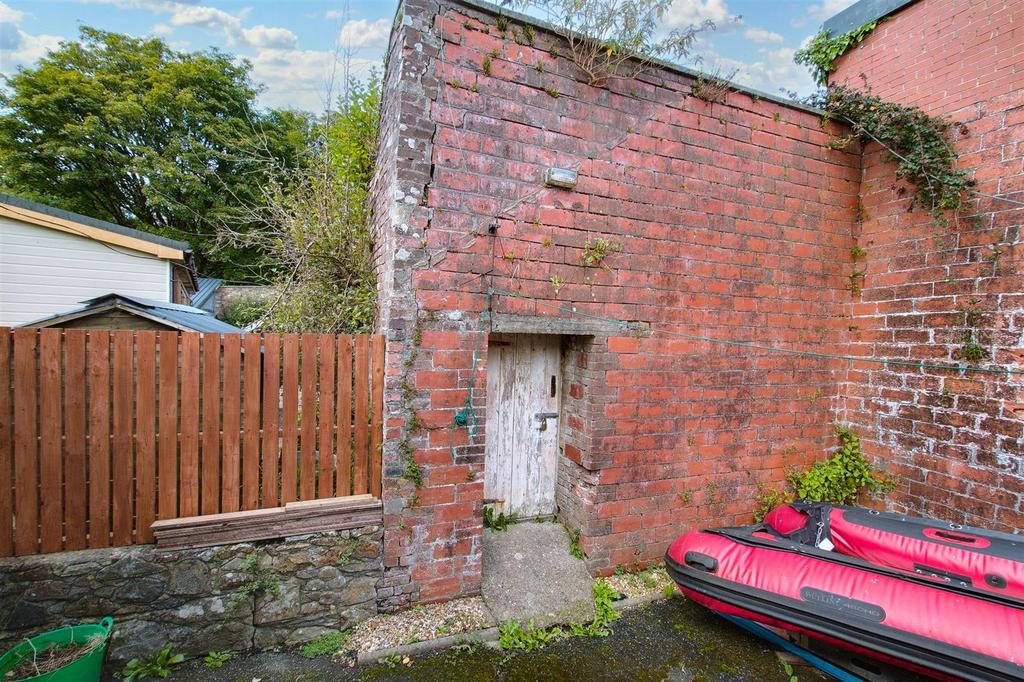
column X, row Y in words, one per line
column 54, row 218
column 181, row 317
column 207, row 287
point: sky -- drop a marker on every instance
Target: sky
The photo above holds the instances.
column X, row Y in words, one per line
column 296, row 47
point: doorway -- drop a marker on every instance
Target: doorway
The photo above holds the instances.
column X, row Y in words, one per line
column 523, row 397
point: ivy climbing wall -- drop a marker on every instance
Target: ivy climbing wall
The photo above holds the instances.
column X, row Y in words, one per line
column 945, row 294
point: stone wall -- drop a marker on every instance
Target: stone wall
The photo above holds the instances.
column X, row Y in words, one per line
column 197, row 600
column 229, row 294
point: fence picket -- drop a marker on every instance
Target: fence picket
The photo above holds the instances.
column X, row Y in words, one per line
column 325, row 476
column 271, row 410
column 74, row 439
column 188, row 476
column 113, row 430
column 51, row 514
column 289, row 419
column 360, row 483
column 307, row 452
column 210, row 469
column 344, row 418
column 167, row 494
column 99, row 438
column 376, row 378
column 145, row 434
column 229, row 440
column 6, row 460
column 251, row 359
column 122, row 450
column 26, row 508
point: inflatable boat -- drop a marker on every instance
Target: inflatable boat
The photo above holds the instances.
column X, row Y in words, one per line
column 942, row 600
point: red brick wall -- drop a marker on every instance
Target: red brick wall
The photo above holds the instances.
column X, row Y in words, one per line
column 733, row 220
column 942, row 55
column 955, row 438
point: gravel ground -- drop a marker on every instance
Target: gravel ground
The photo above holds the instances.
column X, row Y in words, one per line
column 673, row 640
column 630, row 585
column 420, row 623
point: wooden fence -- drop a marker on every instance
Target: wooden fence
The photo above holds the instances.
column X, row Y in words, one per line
column 103, row 432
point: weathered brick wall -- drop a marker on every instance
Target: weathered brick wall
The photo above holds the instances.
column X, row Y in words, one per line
column 957, row 439
column 942, row 55
column 732, row 220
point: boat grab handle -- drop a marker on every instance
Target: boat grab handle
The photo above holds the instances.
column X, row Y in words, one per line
column 702, row 562
column 954, row 537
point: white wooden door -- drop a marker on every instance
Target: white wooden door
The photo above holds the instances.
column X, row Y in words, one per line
column 523, row 394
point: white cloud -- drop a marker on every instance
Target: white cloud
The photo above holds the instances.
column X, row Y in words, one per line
column 9, row 14
column 18, row 48
column 772, row 71
column 303, row 79
column 294, row 78
column 819, row 12
column 685, row 13
column 198, row 16
column 270, row 37
column 360, row 33
column 762, row 36
column 189, row 15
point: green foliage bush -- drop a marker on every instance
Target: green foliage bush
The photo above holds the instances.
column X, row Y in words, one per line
column 840, row 479
column 822, row 52
column 242, row 312
column 314, row 224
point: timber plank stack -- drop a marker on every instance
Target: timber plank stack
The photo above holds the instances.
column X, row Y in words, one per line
column 294, row 518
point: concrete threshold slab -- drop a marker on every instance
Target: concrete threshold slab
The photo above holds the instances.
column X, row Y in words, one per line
column 528, row 574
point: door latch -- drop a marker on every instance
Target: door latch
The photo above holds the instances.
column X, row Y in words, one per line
column 543, row 418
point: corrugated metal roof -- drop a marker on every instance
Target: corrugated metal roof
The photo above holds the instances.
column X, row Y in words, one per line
column 207, row 287
column 92, row 222
column 860, row 13
column 183, row 317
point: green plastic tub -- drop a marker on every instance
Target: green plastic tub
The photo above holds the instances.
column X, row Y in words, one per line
column 84, row 669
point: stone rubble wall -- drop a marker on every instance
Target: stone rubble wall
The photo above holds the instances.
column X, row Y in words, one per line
column 196, row 600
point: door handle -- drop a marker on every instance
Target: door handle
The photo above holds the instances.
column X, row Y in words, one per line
column 543, row 418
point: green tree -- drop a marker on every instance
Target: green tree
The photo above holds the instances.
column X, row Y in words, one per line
column 127, row 130
column 312, row 221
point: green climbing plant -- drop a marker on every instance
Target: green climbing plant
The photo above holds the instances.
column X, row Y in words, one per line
column 921, row 145
column 822, row 52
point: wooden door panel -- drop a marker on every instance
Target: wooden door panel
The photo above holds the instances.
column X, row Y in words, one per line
column 521, row 460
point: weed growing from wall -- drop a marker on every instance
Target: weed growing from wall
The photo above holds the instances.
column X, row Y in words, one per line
column 611, row 38
column 712, row 87
column 840, row 479
column 596, row 250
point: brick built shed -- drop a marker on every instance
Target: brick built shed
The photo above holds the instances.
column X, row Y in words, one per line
column 518, row 373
